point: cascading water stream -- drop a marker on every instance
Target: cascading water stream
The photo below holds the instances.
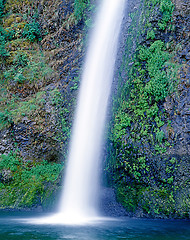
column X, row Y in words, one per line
column 79, row 198
column 80, row 188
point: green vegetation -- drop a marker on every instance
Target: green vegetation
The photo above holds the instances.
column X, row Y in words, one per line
column 32, row 31
column 166, row 9
column 79, row 7
column 83, row 9
column 3, row 51
column 26, row 71
column 144, row 175
column 23, row 184
column 5, row 119
column 2, row 7
column 63, row 110
column 24, row 74
column 24, row 66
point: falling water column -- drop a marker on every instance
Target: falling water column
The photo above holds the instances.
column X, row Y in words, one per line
column 81, row 181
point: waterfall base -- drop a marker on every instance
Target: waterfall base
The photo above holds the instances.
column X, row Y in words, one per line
column 63, row 219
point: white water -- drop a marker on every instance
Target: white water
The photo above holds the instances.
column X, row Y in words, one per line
column 80, row 188
column 79, row 199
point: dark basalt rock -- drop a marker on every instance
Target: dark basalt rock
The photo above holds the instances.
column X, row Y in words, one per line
column 108, row 205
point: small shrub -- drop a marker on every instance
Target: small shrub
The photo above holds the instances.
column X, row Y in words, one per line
column 3, row 52
column 150, row 35
column 9, row 162
column 166, row 8
column 79, row 8
column 21, row 60
column 2, row 7
column 5, row 119
column 160, row 136
column 19, row 77
column 32, row 31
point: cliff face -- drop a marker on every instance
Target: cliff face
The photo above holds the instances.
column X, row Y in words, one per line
column 147, row 158
column 177, row 105
column 40, row 68
column 53, row 64
column 150, row 131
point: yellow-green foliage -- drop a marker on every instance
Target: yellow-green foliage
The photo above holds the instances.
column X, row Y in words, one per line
column 24, row 65
column 29, row 65
column 8, row 21
column 14, row 110
column 23, row 183
column 26, row 108
column 15, row 5
column 14, row 46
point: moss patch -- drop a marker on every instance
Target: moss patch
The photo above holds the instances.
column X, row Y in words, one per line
column 147, row 178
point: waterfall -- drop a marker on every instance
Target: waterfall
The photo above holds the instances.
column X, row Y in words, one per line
column 81, row 181
column 79, row 198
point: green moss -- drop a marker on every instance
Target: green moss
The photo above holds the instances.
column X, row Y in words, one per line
column 2, row 8
column 137, row 135
column 16, row 5
column 150, row 34
column 15, row 110
column 25, row 183
column 24, row 66
column 129, row 197
column 5, row 119
column 31, row 31
column 79, row 7
column 63, row 113
column 166, row 8
column 3, row 51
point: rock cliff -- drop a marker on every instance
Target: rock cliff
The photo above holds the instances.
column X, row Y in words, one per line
column 150, row 129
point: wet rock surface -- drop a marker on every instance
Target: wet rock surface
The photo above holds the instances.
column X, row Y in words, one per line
column 36, row 136
column 178, row 104
column 153, row 180
column 108, row 204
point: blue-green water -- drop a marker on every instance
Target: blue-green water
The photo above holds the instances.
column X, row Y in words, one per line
column 124, row 228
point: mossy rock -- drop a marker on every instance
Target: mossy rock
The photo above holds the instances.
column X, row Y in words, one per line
column 16, row 5
column 20, row 45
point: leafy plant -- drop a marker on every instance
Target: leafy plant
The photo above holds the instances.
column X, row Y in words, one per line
column 150, row 34
column 5, row 119
column 27, row 181
column 3, row 52
column 2, row 7
column 166, row 8
column 159, row 136
column 19, row 77
column 138, row 140
column 79, row 7
column 21, row 60
column 32, row 31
